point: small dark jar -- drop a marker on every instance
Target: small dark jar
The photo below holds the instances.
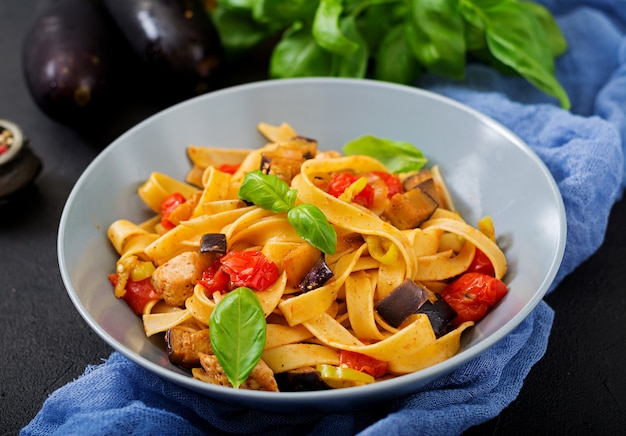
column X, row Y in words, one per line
column 19, row 166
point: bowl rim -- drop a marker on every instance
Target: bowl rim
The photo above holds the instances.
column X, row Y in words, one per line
column 326, row 400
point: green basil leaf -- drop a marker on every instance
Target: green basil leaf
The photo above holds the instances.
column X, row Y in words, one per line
column 327, row 32
column 312, row 226
column 553, row 34
column 512, row 39
column 437, row 38
column 394, row 59
column 238, row 31
column 237, row 330
column 237, row 4
column 474, row 19
column 297, row 54
column 376, row 18
column 267, row 191
column 397, row 156
column 354, row 65
column 286, row 11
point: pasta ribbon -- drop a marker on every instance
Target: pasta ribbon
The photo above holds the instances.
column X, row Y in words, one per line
column 410, row 339
column 159, row 186
column 129, row 239
column 360, row 303
column 310, row 304
column 278, row 335
column 294, row 356
column 476, row 237
column 349, row 215
column 186, row 236
column 443, row 265
column 443, row 348
column 159, row 322
column 199, row 305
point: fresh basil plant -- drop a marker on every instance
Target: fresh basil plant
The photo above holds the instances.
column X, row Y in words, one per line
column 396, row 40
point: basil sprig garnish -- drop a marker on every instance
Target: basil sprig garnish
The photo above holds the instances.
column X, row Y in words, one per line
column 237, row 330
column 267, row 191
column 271, row 193
column 397, row 156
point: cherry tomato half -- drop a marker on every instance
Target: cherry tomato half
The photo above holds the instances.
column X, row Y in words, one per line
column 249, row 268
column 363, row 363
column 228, row 168
column 168, row 205
column 481, row 264
column 214, row 278
column 472, row 294
column 138, row 293
column 394, row 185
column 340, row 182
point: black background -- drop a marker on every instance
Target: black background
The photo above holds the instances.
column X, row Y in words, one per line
column 579, row 387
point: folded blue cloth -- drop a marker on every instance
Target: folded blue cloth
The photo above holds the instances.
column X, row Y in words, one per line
column 584, row 151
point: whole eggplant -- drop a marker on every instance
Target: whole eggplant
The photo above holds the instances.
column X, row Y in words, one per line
column 68, row 60
column 175, row 38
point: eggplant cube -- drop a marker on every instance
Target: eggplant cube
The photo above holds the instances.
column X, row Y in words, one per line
column 440, row 314
column 213, row 243
column 319, row 274
column 403, row 301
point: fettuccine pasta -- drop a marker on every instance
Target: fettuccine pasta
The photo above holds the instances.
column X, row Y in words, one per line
column 383, row 254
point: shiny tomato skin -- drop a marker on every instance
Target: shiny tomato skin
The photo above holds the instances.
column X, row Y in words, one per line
column 168, row 205
column 341, row 181
column 138, row 293
column 394, row 185
column 361, row 362
column 482, row 264
column 214, row 279
column 472, row 294
column 228, row 168
column 249, row 268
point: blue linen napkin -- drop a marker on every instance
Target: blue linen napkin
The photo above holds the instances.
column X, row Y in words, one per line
column 584, row 151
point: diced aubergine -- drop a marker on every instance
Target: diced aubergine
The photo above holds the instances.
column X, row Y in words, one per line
column 319, row 274
column 440, row 314
column 429, row 187
column 410, row 209
column 415, row 179
column 300, row 380
column 286, row 159
column 183, row 346
column 213, row 243
column 403, row 301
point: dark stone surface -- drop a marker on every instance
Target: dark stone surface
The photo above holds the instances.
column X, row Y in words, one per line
column 579, row 387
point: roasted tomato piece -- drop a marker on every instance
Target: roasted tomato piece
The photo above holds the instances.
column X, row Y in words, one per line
column 228, row 168
column 170, row 203
column 481, row 264
column 249, row 268
column 472, row 294
column 214, row 278
column 137, row 294
column 340, row 182
column 361, row 362
column 394, row 185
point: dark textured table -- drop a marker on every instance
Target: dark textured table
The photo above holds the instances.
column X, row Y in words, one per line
column 579, row 387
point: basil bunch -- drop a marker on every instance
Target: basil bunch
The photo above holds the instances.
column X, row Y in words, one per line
column 396, row 40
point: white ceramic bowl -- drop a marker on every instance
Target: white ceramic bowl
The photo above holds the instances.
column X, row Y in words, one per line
column 488, row 169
